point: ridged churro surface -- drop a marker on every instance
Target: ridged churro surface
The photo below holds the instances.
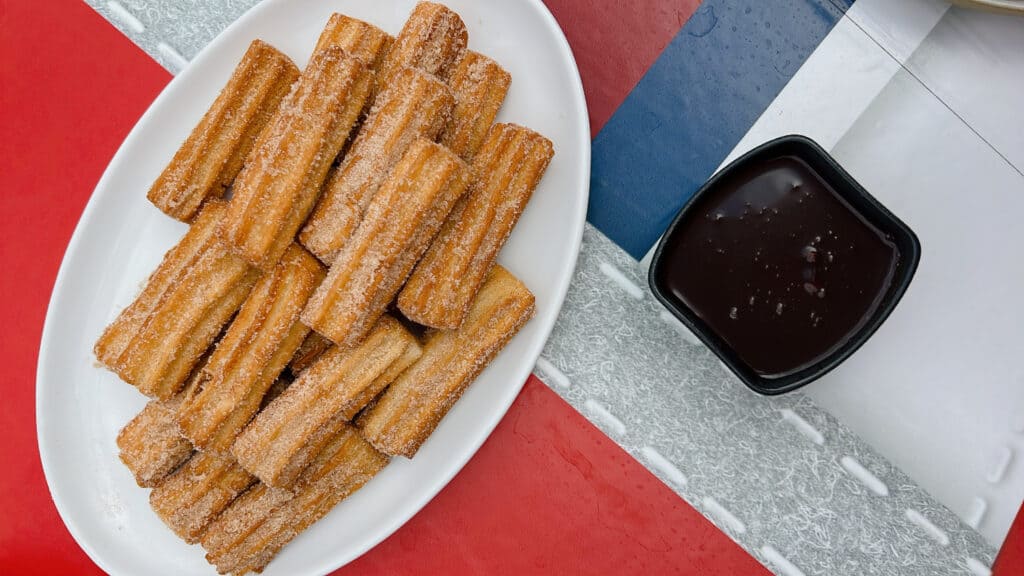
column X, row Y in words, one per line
column 282, row 177
column 254, row 528
column 285, row 436
column 359, row 39
column 416, row 105
column 157, row 340
column 400, row 222
column 479, row 85
column 409, row 410
column 432, row 40
column 212, row 155
column 505, row 173
column 196, row 493
column 257, row 346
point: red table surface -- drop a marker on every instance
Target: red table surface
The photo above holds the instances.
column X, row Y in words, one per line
column 571, row 501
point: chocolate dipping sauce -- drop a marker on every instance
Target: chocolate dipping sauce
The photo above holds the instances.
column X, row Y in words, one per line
column 779, row 265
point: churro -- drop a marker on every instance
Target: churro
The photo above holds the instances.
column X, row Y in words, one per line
column 359, row 39
column 212, row 155
column 505, row 173
column 415, row 105
column 283, row 438
column 312, row 347
column 282, row 177
column 255, row 349
column 196, row 493
column 254, row 528
column 150, row 444
column 409, row 410
column 432, row 40
column 403, row 217
column 156, row 341
column 479, row 85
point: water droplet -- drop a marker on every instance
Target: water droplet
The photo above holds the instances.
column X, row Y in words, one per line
column 810, row 288
column 719, row 216
column 778, row 308
column 809, row 253
column 751, row 301
column 821, row 292
column 733, row 313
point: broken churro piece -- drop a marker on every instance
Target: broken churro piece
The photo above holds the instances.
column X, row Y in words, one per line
column 409, row 410
column 254, row 528
column 416, row 105
column 403, row 217
column 505, row 173
column 150, row 444
column 359, row 39
column 253, row 352
column 282, row 177
column 479, row 85
column 208, row 161
column 196, row 493
column 157, row 340
column 282, row 439
column 432, row 40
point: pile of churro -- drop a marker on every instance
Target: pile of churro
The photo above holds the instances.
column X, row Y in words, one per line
column 336, row 291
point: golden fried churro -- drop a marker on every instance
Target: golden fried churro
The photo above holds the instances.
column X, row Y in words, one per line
column 479, row 85
column 432, row 40
column 416, row 105
column 156, row 341
column 505, row 173
column 312, row 347
column 403, row 217
column 150, row 444
column 196, row 493
column 414, row 404
column 282, row 176
column 359, row 39
column 253, row 352
column 254, row 528
column 208, row 161
column 282, row 439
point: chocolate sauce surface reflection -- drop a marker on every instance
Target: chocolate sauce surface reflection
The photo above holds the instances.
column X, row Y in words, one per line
column 778, row 265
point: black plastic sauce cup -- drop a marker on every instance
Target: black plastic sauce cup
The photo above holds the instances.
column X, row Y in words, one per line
column 783, row 265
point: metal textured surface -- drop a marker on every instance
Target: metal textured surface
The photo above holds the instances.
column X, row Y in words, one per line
column 788, row 472
column 782, row 477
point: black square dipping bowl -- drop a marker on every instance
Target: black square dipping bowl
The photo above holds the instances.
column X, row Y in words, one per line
column 783, row 265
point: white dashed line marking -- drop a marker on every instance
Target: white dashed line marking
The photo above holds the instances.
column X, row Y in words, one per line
column 173, row 55
column 780, row 562
column 553, row 375
column 803, row 426
column 605, row 417
column 616, row 276
column 933, row 531
column 663, row 465
column 125, row 17
column 724, row 517
column 858, row 471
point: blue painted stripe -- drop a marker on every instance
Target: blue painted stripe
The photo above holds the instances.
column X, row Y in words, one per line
column 693, row 106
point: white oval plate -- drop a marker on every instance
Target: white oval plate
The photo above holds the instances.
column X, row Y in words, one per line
column 121, row 238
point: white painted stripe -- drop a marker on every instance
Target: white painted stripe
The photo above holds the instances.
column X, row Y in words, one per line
column 725, row 518
column 781, row 564
column 1000, row 463
column 664, row 466
column 125, row 17
column 604, row 417
column 173, row 55
column 977, row 567
column 933, row 531
column 679, row 327
column 616, row 276
column 858, row 471
column 553, row 375
column 976, row 512
column 803, row 426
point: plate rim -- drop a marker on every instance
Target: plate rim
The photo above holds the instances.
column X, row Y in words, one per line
column 73, row 249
